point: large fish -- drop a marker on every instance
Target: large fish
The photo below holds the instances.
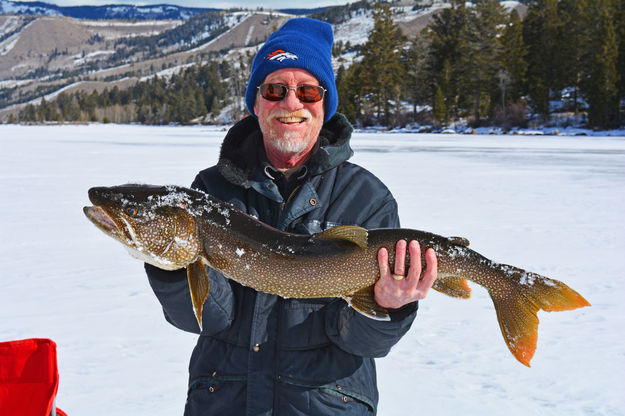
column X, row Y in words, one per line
column 173, row 227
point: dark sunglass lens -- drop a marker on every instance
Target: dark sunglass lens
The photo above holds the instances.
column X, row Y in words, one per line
column 273, row 92
column 309, row 93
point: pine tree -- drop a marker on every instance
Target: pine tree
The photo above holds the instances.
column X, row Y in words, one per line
column 541, row 28
column 447, row 35
column 440, row 110
column 601, row 80
column 381, row 61
column 29, row 113
column 481, row 60
column 513, row 57
column 574, row 41
column 349, row 92
column 619, row 20
column 418, row 79
column 449, row 91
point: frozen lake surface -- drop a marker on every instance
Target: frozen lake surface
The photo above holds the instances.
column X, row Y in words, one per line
column 552, row 205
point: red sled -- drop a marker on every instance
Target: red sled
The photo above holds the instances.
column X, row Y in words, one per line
column 29, row 378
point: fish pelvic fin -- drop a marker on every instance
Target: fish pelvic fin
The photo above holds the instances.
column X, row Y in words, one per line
column 351, row 233
column 453, row 286
column 517, row 308
column 198, row 287
column 363, row 301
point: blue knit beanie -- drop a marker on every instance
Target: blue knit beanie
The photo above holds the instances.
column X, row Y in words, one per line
column 300, row 43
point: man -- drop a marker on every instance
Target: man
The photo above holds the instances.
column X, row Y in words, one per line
column 259, row 354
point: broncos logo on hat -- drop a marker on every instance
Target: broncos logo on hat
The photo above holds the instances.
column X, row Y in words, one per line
column 280, row 55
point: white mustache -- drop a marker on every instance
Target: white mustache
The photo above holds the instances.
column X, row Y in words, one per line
column 286, row 114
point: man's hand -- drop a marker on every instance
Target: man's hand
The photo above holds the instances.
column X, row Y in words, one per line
column 397, row 289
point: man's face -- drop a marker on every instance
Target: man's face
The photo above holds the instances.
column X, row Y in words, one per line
column 290, row 127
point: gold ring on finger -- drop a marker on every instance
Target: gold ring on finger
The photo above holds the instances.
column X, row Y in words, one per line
column 398, row 276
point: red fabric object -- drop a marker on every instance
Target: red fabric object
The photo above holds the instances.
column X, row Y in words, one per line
column 29, row 377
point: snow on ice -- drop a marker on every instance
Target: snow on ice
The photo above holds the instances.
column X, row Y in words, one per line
column 553, row 205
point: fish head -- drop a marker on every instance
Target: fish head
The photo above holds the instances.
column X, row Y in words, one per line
column 155, row 223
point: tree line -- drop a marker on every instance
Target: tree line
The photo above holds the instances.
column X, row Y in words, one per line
column 191, row 94
column 478, row 62
column 488, row 66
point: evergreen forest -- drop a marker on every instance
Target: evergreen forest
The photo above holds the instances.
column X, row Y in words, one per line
column 477, row 63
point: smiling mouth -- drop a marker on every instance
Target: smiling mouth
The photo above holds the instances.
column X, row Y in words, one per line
column 291, row 120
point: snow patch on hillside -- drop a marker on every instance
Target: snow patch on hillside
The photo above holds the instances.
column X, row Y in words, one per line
column 8, row 44
column 126, row 24
column 8, row 25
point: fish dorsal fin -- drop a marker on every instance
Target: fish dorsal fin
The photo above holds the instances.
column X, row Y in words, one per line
column 352, row 233
column 459, row 241
column 363, row 301
column 456, row 287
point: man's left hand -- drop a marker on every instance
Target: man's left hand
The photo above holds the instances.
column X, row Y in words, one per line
column 394, row 290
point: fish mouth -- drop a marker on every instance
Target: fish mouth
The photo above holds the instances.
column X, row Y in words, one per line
column 101, row 219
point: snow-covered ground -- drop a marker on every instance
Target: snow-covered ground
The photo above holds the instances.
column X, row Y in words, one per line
column 553, row 205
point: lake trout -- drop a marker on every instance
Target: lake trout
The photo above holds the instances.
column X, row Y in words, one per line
column 173, row 227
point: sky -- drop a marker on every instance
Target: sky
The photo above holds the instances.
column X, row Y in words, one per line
column 220, row 4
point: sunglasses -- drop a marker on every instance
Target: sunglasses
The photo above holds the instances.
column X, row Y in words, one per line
column 305, row 93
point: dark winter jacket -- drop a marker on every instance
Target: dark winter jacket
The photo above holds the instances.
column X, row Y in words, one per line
column 260, row 354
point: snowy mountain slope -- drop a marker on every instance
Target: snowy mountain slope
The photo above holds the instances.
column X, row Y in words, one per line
column 159, row 12
column 42, row 54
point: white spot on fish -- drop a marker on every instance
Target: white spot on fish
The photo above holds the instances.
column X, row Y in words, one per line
column 240, row 252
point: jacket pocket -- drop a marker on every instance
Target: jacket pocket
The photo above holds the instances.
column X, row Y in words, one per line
column 302, row 398
column 302, row 324
column 217, row 395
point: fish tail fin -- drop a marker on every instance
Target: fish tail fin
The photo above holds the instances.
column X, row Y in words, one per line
column 198, row 287
column 364, row 302
column 517, row 308
column 552, row 295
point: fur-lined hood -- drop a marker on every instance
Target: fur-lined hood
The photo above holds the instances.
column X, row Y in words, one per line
column 239, row 151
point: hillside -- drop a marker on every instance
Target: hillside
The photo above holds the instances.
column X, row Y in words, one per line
column 41, row 54
column 157, row 12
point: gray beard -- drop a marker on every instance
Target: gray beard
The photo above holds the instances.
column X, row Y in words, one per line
column 290, row 143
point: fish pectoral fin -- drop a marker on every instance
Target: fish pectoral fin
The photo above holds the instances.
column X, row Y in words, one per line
column 454, row 286
column 352, row 233
column 459, row 241
column 364, row 302
column 198, row 287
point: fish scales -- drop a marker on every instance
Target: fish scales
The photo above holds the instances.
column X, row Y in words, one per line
column 311, row 273
column 174, row 227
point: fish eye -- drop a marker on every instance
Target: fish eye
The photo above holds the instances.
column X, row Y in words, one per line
column 132, row 211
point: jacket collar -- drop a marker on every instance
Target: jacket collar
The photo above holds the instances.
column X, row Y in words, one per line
column 239, row 156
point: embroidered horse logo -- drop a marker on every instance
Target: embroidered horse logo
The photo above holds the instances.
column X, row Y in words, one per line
column 280, row 55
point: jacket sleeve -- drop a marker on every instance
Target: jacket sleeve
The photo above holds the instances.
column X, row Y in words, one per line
column 172, row 291
column 355, row 333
